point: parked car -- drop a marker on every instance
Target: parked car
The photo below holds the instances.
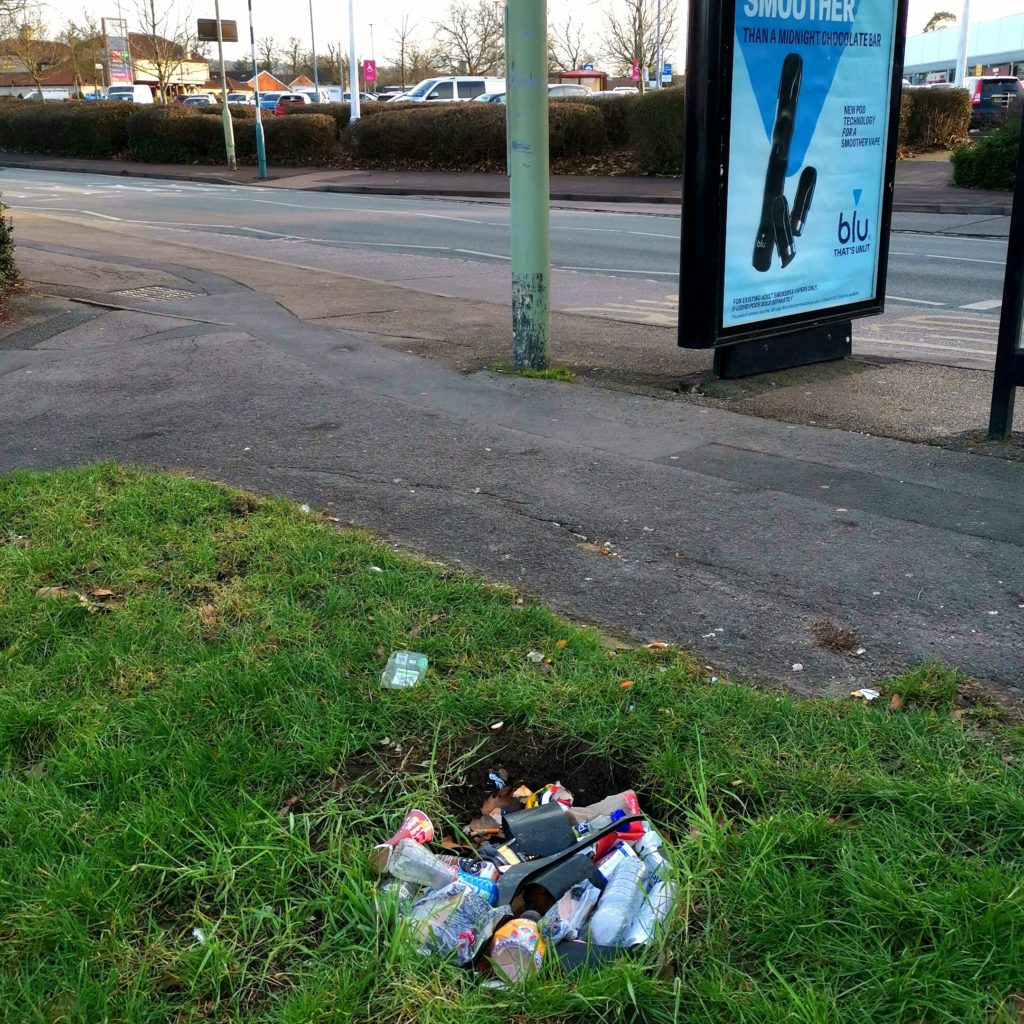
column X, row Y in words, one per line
column 130, row 93
column 245, row 98
column 454, row 89
column 199, row 99
column 268, row 100
column 556, row 91
column 290, row 99
column 992, row 96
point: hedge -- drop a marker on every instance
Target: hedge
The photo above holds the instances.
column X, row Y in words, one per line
column 934, row 118
column 991, row 162
column 8, row 268
column 65, row 129
column 644, row 133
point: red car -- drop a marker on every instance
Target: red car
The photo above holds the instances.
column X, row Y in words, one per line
column 289, row 99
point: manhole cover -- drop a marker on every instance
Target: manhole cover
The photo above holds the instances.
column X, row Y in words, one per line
column 156, row 293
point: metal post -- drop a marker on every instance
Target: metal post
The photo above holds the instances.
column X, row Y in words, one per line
column 261, row 147
column 312, row 36
column 526, row 63
column 353, row 70
column 1009, row 373
column 961, row 50
column 225, row 114
column 373, row 57
column 657, row 48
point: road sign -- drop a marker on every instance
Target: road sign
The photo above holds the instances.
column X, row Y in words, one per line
column 119, row 65
column 208, row 30
column 369, row 71
column 587, row 67
column 666, row 73
column 634, row 71
column 786, row 219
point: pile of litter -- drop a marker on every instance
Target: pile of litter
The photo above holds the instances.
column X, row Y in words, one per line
column 543, row 878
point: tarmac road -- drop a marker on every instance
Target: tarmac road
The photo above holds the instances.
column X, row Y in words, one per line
column 944, row 288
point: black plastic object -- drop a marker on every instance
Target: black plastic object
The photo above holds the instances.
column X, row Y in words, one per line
column 802, row 201
column 783, row 231
column 779, row 352
column 778, row 159
column 575, row 953
column 558, row 880
column 540, row 831
column 523, row 874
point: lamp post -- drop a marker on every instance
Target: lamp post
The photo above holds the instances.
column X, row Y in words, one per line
column 261, row 146
column 961, row 50
column 98, row 68
column 225, row 113
column 312, row 36
column 353, row 68
column 373, row 56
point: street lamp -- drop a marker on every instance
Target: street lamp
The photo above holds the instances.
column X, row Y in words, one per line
column 99, row 74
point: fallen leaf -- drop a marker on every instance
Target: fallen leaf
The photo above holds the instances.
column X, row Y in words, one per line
column 561, row 643
column 626, row 684
column 497, row 802
column 1016, row 1003
column 523, row 793
column 657, row 645
column 959, row 715
column 736, row 782
column 52, row 592
column 101, row 593
column 449, row 844
column 896, row 703
column 208, row 616
column 834, row 821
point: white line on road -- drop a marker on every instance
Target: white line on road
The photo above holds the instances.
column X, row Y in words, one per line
column 620, row 270
column 984, row 305
column 492, row 255
column 916, row 302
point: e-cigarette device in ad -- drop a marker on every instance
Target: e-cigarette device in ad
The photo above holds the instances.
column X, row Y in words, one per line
column 802, row 202
column 783, row 230
column 778, row 159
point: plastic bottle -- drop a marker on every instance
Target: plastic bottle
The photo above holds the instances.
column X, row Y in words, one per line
column 566, row 918
column 655, row 906
column 517, row 950
column 619, row 903
column 412, row 863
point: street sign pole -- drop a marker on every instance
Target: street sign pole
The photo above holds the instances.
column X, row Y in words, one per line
column 1009, row 373
column 225, row 114
column 353, row 68
column 961, row 50
column 261, row 147
column 526, row 62
column 657, row 48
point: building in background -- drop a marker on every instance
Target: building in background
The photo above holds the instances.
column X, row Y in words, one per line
column 994, row 47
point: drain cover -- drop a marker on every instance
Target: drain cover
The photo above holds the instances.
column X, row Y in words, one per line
column 156, row 293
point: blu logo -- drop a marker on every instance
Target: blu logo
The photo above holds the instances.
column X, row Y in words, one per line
column 855, row 227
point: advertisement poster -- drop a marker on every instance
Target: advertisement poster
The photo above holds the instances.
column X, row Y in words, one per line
column 810, row 103
column 119, row 69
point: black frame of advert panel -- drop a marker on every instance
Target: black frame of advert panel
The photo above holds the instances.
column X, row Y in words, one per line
column 708, row 111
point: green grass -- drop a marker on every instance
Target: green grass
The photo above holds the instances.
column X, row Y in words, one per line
column 203, row 750
column 551, row 373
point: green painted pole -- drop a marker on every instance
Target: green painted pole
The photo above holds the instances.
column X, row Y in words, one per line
column 526, row 70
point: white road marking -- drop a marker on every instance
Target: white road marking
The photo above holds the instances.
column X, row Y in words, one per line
column 985, row 305
column 492, row 255
column 916, row 302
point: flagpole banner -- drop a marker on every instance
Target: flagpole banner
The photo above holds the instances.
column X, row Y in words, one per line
column 812, row 81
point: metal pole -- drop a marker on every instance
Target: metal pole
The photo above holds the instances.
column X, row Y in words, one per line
column 353, row 71
column 373, row 56
column 961, row 50
column 261, row 148
column 1009, row 373
column 657, row 48
column 225, row 114
column 526, row 63
column 312, row 36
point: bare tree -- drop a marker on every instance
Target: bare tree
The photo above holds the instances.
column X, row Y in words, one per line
column 940, row 19
column 630, row 33
column 568, row 46
column 472, row 36
column 24, row 33
column 168, row 42
column 293, row 56
column 85, row 48
column 422, row 63
column 404, row 41
column 267, row 52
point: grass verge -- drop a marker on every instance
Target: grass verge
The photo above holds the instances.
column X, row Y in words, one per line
column 550, row 373
column 193, row 764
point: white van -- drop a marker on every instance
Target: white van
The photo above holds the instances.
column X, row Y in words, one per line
column 454, row 89
column 130, row 93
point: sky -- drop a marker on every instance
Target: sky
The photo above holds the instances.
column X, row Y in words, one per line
column 382, row 18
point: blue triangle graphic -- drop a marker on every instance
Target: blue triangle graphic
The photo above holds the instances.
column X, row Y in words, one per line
column 857, row 193
column 764, row 65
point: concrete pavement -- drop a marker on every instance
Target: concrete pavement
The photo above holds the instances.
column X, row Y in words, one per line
column 656, row 519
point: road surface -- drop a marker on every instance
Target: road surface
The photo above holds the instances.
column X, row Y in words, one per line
column 943, row 290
